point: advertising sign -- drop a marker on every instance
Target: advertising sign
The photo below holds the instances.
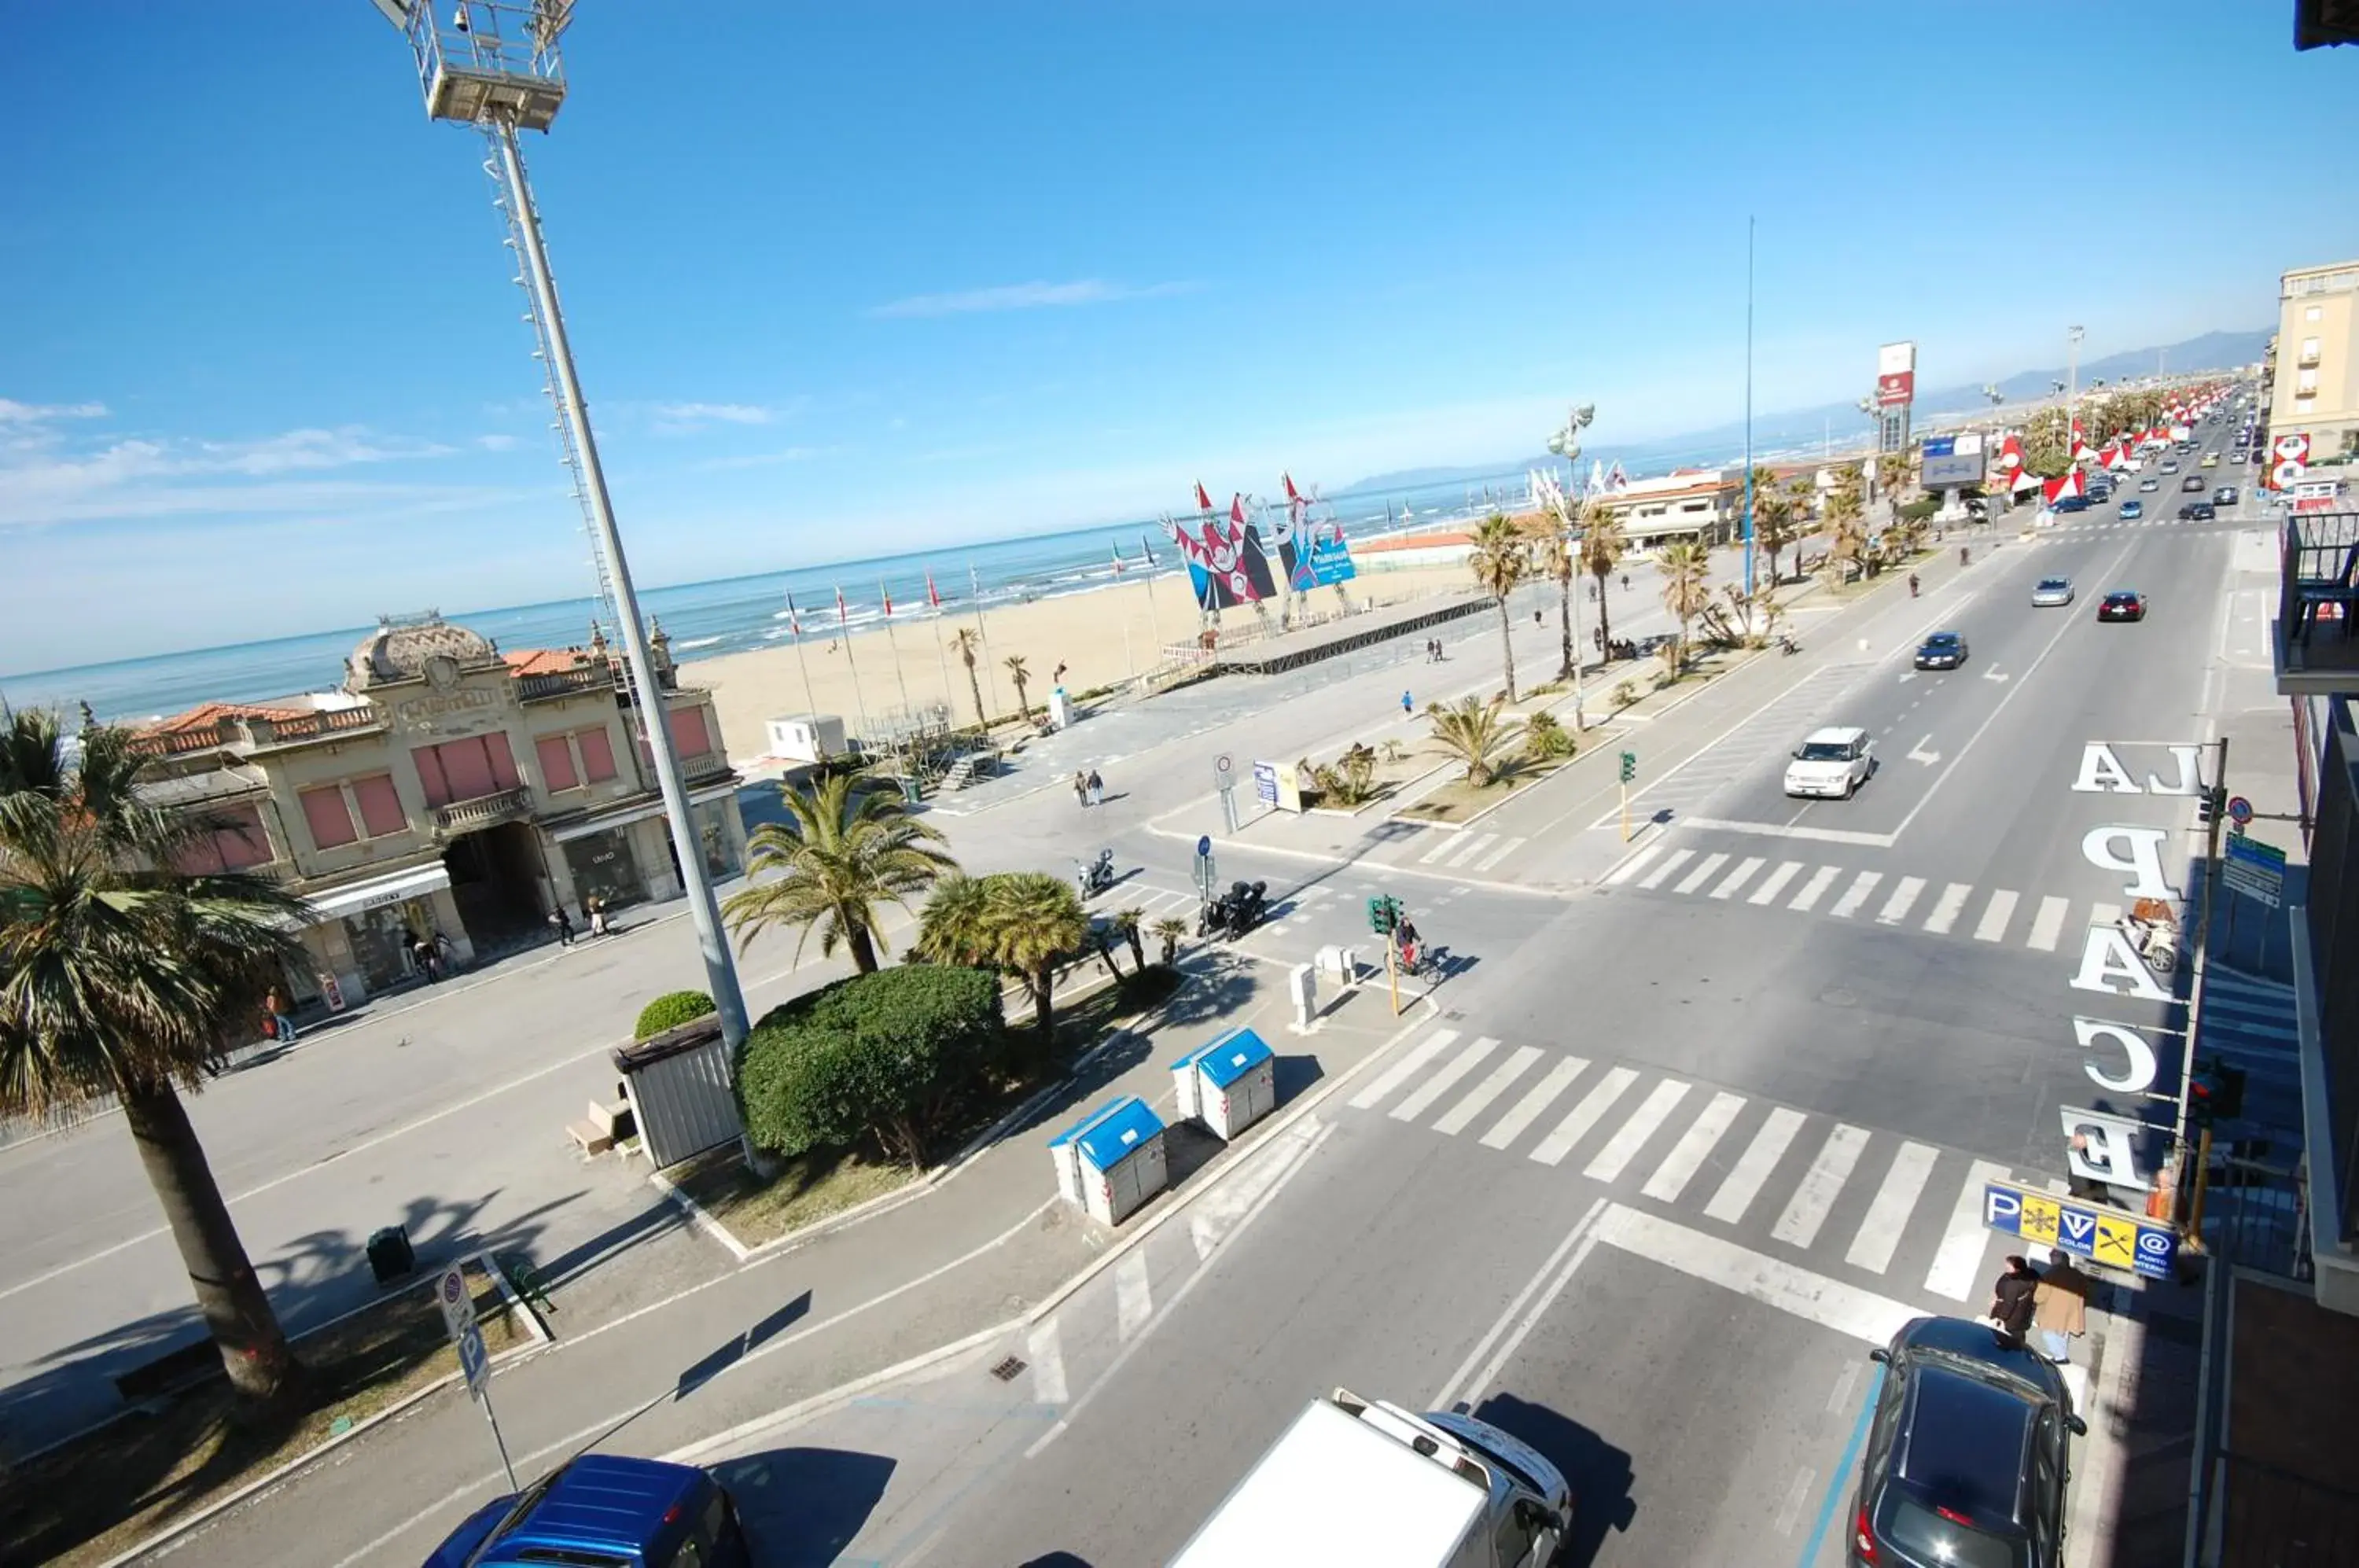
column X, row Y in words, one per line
column 1896, row 359
column 1952, row 463
column 2108, row 1238
column 2255, row 868
column 2289, row 459
column 1896, row 389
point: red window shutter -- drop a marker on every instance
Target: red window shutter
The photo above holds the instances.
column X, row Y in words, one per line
column 689, row 736
column 331, row 824
column 429, row 775
column 556, row 763
column 240, row 841
column 467, row 763
column 597, row 754
column 381, row 810
column 503, row 768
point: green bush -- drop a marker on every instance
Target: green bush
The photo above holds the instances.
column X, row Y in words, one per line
column 884, row 1057
column 670, row 1010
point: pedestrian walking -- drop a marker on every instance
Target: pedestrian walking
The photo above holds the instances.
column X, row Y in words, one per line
column 1408, row 707
column 1096, row 789
column 1625, row 580
column 423, row 952
column 2012, row 1303
column 1082, row 788
column 274, row 1021
column 562, row 924
column 597, row 907
column 2060, row 1306
column 443, row 952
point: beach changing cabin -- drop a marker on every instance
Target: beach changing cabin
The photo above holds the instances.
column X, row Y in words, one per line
column 1229, row 1084
column 1111, row 1160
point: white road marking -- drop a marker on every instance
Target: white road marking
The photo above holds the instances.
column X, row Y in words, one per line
column 1887, row 1217
column 1792, row 830
column 1443, row 843
column 1775, row 883
column 1946, row 908
column 2046, row 925
column 1433, row 1088
column 1535, row 1100
column 1393, row 1077
column 1845, row 1381
column 1995, row 914
column 1483, row 1362
column 1855, row 895
column 1957, row 1260
column 1632, row 867
column 1815, row 890
column 1687, row 1157
column 1702, row 874
column 1500, row 853
column 1671, row 863
column 2104, row 914
column 1582, row 1116
column 1821, row 1185
column 1737, row 878
column 1895, row 907
column 1790, row 1512
column 1454, row 1121
column 1469, row 846
column 1046, row 1351
column 1133, row 1295
column 1773, row 1281
column 1632, row 1135
column 1753, row 1167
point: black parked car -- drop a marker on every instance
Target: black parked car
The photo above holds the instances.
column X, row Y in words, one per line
column 1968, row 1455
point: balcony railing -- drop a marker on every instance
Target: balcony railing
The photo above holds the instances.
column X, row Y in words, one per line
column 465, row 816
column 710, row 765
column 2317, row 593
column 567, row 682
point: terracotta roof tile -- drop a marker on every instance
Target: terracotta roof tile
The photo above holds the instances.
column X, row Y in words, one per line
column 204, row 715
column 543, row 661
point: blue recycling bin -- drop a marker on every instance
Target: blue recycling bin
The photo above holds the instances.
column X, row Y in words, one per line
column 1229, row 1084
column 1111, row 1160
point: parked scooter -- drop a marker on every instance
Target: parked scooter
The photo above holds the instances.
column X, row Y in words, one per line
column 1094, row 877
column 1234, row 912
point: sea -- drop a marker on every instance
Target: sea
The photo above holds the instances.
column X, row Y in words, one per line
column 736, row 614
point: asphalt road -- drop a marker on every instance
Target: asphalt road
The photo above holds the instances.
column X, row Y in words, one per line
column 1680, row 1150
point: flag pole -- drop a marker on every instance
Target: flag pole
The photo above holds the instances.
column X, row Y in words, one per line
column 990, row 670
column 900, row 680
column 810, row 703
column 941, row 650
column 1154, row 616
column 859, row 703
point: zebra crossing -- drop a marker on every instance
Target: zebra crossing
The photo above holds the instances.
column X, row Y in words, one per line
column 1847, row 1196
column 2249, row 1022
column 1955, row 908
column 1467, row 850
column 2105, row 525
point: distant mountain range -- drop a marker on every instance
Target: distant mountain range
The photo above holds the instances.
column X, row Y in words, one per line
column 1793, row 428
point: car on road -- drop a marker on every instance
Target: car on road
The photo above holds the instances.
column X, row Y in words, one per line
column 2122, row 604
column 2194, row 482
column 2171, row 466
column 2072, row 504
column 605, row 1508
column 2149, row 486
column 2211, row 460
column 2198, row 512
column 1968, row 1454
column 1943, row 650
column 1831, row 763
column 2051, row 592
column 2132, row 509
column 2224, row 496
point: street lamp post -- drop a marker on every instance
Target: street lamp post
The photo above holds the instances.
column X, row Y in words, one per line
column 2072, row 336
column 1566, row 445
column 495, row 65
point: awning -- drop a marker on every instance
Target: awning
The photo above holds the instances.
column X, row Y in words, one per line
column 638, row 813
column 378, row 891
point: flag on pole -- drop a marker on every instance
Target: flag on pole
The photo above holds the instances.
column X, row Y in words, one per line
column 887, row 594
column 1236, row 512
column 1204, row 502
column 1291, row 493
column 843, row 617
column 1146, row 554
column 794, row 619
column 933, row 595
column 1117, row 557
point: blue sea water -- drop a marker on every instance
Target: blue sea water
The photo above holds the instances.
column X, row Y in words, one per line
column 707, row 619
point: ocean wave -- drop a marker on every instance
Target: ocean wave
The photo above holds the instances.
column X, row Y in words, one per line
column 696, row 642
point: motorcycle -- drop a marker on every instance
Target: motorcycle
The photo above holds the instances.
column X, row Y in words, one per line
column 1788, row 647
column 1094, row 877
column 1234, row 912
column 1912, row 586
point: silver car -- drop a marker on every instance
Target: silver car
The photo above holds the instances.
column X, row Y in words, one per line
column 2052, row 593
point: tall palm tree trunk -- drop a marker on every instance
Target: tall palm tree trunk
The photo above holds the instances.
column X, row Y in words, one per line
column 1605, row 619
column 261, row 1366
column 856, row 938
column 1044, row 1015
column 974, row 684
column 1564, row 618
column 1508, row 646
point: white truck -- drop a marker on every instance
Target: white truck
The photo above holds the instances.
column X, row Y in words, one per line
column 1366, row 1482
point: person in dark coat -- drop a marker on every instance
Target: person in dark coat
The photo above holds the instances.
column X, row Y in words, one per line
column 2014, row 1299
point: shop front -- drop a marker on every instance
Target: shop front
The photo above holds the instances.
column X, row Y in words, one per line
column 361, row 935
column 604, row 866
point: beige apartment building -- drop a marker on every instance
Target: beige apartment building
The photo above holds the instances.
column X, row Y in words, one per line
column 447, row 789
column 2315, row 389
column 1701, row 504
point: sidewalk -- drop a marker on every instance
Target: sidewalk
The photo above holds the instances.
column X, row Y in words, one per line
column 978, row 1249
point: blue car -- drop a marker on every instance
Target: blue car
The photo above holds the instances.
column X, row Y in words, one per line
column 2132, row 510
column 605, row 1508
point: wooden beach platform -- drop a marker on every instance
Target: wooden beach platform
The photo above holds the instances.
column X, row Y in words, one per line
column 1273, row 656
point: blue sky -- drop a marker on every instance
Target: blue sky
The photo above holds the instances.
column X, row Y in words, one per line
column 859, row 278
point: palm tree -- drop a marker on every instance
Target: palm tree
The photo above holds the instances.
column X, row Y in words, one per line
column 1686, row 567
column 947, row 927
column 1844, row 523
column 1773, row 522
column 1499, row 560
column 845, row 847
column 1476, row 733
column 1168, row 931
column 1601, row 548
column 122, row 974
column 1017, row 674
column 1127, row 924
column 1557, row 564
column 1031, row 922
column 967, row 643
column 1892, row 478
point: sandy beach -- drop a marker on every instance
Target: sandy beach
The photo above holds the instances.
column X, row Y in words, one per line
column 1103, row 637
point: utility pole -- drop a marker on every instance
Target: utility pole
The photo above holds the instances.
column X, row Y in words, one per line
column 2215, row 797
column 1749, row 223
column 2072, row 336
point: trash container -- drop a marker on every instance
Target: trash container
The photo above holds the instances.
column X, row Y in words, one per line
column 910, row 791
column 1229, row 1084
column 1111, row 1160
column 390, row 1256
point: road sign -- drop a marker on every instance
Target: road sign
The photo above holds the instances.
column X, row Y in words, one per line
column 1204, row 846
column 473, row 1359
column 2239, row 810
column 2112, row 1238
column 1223, row 772
column 2255, row 868
column 458, row 1303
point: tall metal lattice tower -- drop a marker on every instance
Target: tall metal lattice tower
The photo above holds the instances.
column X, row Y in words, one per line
column 496, row 66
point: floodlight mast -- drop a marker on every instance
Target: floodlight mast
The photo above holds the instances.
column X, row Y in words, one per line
column 496, row 65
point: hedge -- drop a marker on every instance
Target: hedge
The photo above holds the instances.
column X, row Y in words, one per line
column 670, row 1010
column 884, row 1058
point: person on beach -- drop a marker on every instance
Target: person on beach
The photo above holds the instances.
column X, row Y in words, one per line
column 274, row 1021
column 2060, row 1306
column 1096, row 789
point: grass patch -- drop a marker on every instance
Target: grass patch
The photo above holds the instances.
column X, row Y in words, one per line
column 107, row 1490
column 805, row 1190
column 1458, row 801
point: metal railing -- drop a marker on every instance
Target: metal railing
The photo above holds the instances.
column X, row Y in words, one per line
column 566, row 682
column 2320, row 569
column 462, row 816
column 706, row 766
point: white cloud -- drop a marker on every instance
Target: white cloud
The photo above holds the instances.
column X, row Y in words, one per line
column 673, row 418
column 765, row 459
column 496, row 442
column 1036, row 296
column 15, row 413
column 299, row 450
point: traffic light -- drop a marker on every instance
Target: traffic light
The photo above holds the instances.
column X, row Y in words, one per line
column 2216, row 1093
column 1384, row 914
column 1629, row 766
column 2210, row 804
